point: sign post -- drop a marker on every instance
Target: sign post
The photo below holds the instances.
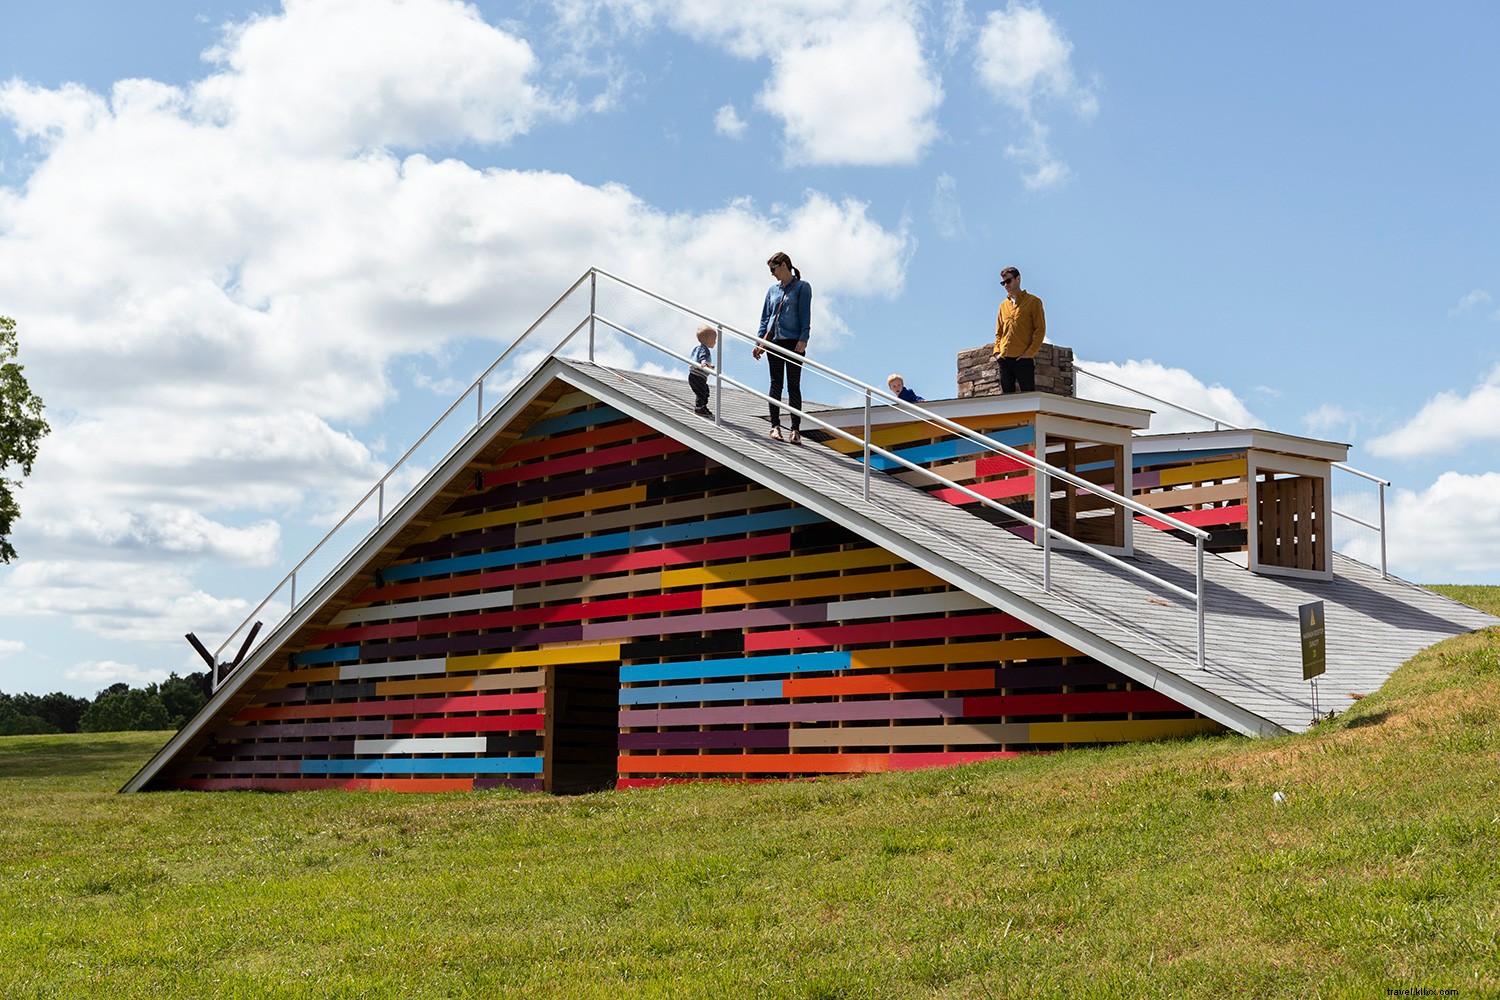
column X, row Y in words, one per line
column 1314, row 647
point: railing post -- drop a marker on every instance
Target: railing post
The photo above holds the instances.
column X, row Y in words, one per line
column 719, row 356
column 380, row 505
column 867, row 444
column 593, row 309
column 479, row 419
column 1381, row 487
column 293, row 606
column 1200, row 600
column 1044, row 503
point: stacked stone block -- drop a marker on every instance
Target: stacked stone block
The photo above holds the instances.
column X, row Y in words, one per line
column 978, row 375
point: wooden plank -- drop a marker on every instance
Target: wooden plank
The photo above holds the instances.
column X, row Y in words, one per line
column 652, row 448
column 926, row 628
column 823, row 562
column 607, row 652
column 992, row 734
column 1236, row 514
column 1120, row 732
column 1191, row 496
column 1075, row 703
column 960, row 652
column 407, row 706
column 803, row 712
column 827, row 586
column 1202, row 473
column 679, row 509
column 758, row 763
column 851, row 684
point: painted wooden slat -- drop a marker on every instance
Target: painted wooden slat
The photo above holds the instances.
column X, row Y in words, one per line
column 1144, row 459
column 469, row 724
column 467, row 703
column 620, row 562
column 1236, row 514
column 652, row 448
column 400, row 668
column 548, row 426
column 760, row 739
column 958, row 734
column 1185, row 496
column 1076, row 703
column 924, row 628
column 960, row 652
column 488, row 601
column 755, row 763
column 740, row 666
column 431, row 744
column 1000, row 465
column 530, row 448
column 427, row 765
column 951, row 448
column 700, row 506
column 300, row 730
column 450, row 524
column 838, row 711
column 905, row 604
column 851, row 684
column 608, row 652
column 828, row 586
column 1202, row 473
column 652, row 604
column 1000, row 489
column 694, row 531
column 593, row 479
column 1119, row 732
column 342, row 654
column 731, row 691
column 822, row 562
column 678, row 624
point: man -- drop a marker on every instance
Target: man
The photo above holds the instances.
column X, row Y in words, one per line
column 1020, row 329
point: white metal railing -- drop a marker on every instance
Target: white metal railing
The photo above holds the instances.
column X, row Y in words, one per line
column 1221, row 424
column 385, row 505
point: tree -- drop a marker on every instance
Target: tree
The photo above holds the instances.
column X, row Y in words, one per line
column 183, row 696
column 21, row 429
column 133, row 709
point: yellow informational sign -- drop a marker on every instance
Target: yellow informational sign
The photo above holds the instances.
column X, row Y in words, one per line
column 1314, row 642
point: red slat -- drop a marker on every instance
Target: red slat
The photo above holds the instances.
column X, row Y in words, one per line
column 587, row 460
column 922, row 628
column 468, row 704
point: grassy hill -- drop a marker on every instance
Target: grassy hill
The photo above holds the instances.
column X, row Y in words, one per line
column 1160, row 870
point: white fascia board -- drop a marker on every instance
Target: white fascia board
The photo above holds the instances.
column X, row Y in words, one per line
column 1243, row 440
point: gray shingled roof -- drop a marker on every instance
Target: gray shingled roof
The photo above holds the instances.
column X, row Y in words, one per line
column 1252, row 677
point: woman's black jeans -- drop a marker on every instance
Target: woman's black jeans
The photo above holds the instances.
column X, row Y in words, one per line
column 793, row 370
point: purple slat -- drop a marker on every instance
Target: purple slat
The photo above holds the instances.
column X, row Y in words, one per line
column 521, row 493
column 776, row 739
column 1012, row 678
column 206, row 769
column 905, row 708
column 238, row 751
column 495, row 538
column 489, row 642
column 270, row 730
column 798, row 615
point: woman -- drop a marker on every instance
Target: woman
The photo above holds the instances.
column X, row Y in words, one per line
column 785, row 320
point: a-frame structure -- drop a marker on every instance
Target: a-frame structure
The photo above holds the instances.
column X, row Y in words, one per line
column 599, row 588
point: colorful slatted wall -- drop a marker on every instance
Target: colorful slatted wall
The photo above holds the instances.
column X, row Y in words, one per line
column 1205, row 488
column 1007, row 480
column 607, row 605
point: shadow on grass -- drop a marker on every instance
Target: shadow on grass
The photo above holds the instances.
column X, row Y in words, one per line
column 1373, row 719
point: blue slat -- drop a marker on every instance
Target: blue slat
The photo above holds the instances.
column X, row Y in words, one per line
column 339, row 654
column 745, row 690
column 691, row 531
column 572, row 421
column 953, row 448
column 739, row 666
column 1157, row 457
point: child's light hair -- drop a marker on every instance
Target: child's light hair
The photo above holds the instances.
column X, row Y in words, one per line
column 706, row 334
column 893, row 377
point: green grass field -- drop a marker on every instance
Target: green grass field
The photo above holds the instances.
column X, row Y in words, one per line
column 1162, row 870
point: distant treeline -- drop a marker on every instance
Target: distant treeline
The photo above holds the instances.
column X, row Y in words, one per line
column 117, row 708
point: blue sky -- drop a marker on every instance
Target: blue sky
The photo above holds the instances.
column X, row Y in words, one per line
column 253, row 249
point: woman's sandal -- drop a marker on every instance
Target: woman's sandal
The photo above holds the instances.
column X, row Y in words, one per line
column 776, row 434
column 796, row 436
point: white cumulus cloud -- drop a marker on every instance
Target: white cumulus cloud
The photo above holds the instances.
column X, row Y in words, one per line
column 1442, row 534
column 1448, row 423
column 727, row 122
column 1177, row 392
column 1025, row 61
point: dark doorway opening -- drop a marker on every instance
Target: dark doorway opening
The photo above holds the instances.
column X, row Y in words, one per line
column 581, row 741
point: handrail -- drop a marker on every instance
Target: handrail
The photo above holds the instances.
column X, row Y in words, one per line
column 1381, row 483
column 1047, row 471
column 379, row 487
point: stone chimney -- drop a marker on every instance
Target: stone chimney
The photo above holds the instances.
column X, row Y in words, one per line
column 978, row 374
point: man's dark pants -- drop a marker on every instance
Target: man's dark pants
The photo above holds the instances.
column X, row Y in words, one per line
column 1017, row 370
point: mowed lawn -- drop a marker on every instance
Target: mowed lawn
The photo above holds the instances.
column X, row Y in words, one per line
column 1162, row 870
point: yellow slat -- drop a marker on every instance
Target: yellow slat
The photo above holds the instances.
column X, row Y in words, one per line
column 786, row 566
column 600, row 653
column 828, row 586
column 960, row 652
